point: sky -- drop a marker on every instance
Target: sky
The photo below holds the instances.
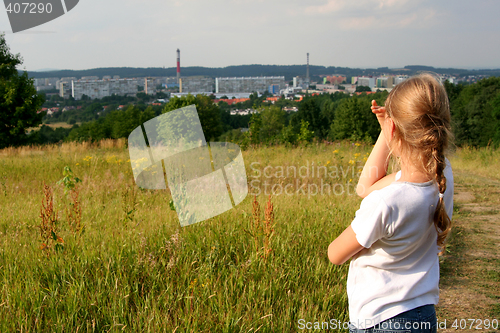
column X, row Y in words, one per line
column 220, row 33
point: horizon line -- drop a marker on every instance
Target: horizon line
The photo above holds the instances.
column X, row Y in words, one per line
column 174, row 68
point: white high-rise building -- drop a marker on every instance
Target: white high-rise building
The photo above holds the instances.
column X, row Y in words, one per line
column 196, row 84
column 102, row 88
column 367, row 81
column 399, row 79
column 247, row 84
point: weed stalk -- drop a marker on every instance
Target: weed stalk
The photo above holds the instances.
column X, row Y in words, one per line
column 74, row 211
column 48, row 225
column 263, row 230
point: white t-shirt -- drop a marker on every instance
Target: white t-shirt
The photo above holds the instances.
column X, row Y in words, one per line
column 399, row 271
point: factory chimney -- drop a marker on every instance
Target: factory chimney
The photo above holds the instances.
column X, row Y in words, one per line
column 178, row 65
column 307, row 73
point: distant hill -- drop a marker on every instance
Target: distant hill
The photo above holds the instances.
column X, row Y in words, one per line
column 289, row 71
column 48, row 70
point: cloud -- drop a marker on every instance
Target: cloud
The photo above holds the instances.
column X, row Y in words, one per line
column 329, row 7
column 392, row 3
column 424, row 18
column 368, row 6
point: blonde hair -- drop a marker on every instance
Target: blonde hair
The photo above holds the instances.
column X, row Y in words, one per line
column 419, row 108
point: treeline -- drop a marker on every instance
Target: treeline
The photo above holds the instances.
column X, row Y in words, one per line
column 112, row 124
column 116, row 124
column 475, row 112
column 113, row 100
column 288, row 71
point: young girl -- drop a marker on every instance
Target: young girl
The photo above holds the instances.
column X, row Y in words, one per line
column 404, row 218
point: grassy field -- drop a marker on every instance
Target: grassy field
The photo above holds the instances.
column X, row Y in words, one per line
column 53, row 125
column 113, row 257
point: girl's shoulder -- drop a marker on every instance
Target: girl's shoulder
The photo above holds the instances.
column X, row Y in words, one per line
column 398, row 192
column 402, row 193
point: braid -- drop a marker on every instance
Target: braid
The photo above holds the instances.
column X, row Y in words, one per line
column 441, row 220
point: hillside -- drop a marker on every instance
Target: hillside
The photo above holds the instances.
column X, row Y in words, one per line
column 288, row 71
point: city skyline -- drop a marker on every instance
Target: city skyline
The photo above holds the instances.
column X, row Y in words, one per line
column 364, row 34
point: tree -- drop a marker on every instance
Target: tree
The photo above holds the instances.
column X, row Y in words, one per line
column 475, row 112
column 354, row 119
column 310, row 112
column 208, row 113
column 161, row 95
column 142, row 96
column 363, row 88
column 56, row 98
column 272, row 122
column 254, row 128
column 305, row 134
column 19, row 101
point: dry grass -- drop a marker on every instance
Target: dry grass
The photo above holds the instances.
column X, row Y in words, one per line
column 133, row 268
column 53, row 125
column 63, row 148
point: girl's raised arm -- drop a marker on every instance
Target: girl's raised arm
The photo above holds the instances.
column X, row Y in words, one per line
column 374, row 175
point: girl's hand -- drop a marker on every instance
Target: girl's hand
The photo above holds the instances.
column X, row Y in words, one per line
column 379, row 111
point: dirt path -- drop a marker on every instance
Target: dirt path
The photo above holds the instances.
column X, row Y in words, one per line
column 470, row 271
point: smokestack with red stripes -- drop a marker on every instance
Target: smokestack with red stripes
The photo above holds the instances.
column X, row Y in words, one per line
column 178, row 65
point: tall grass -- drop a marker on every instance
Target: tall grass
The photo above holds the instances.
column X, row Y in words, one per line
column 143, row 272
column 131, row 267
column 483, row 161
